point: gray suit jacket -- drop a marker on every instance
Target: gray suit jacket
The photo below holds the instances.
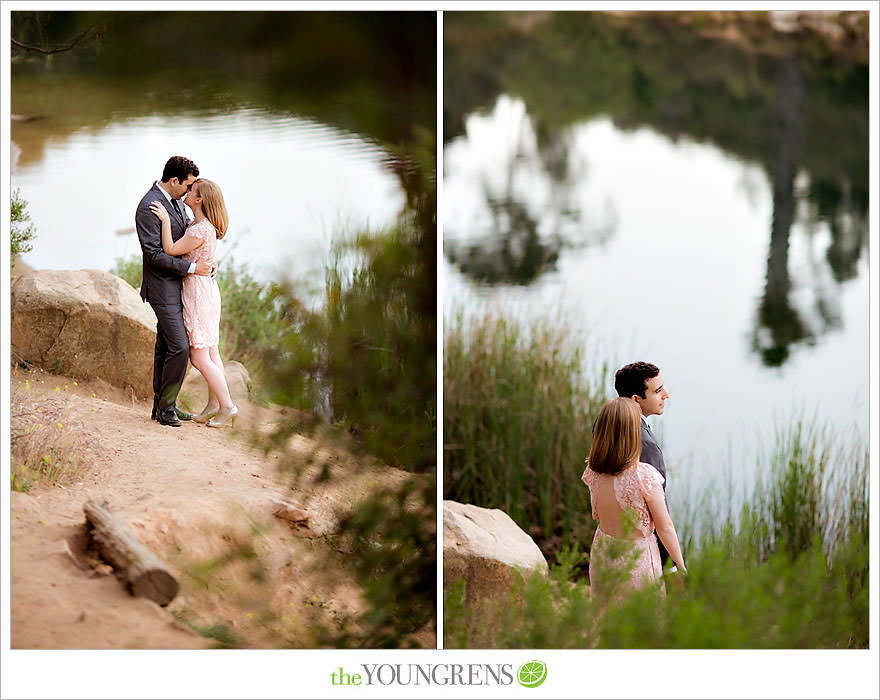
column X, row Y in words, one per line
column 163, row 273
column 651, row 453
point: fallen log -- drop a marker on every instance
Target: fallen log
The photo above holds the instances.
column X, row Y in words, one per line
column 141, row 571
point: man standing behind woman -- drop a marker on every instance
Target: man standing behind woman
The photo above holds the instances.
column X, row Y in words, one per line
column 200, row 295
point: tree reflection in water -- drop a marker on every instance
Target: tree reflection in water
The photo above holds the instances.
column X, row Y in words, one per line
column 780, row 322
column 796, row 104
column 529, row 207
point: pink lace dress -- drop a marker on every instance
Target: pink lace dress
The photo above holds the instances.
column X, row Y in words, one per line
column 200, row 294
column 630, row 488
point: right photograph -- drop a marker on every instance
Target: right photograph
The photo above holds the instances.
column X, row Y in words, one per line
column 655, row 330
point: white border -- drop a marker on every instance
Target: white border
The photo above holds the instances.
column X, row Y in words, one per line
column 572, row 674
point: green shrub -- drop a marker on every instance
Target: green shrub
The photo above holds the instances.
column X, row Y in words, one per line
column 130, row 269
column 21, row 231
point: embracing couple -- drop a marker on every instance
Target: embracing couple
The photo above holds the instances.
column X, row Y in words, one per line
column 179, row 283
column 626, row 475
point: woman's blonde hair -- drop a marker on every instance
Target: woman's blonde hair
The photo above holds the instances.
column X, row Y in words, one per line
column 213, row 205
column 617, row 437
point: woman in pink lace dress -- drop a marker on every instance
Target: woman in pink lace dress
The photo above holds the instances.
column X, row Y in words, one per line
column 200, row 294
column 627, row 500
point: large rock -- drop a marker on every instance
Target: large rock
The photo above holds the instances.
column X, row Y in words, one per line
column 86, row 324
column 486, row 549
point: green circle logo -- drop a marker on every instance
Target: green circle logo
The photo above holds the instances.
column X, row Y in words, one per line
column 532, row 673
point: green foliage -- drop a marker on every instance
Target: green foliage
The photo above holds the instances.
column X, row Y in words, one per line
column 131, row 270
column 517, row 413
column 252, row 320
column 812, row 487
column 21, row 232
column 726, row 603
column 541, row 613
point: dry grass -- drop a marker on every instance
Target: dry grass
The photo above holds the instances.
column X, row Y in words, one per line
column 48, row 440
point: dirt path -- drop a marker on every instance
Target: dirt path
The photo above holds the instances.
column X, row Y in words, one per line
column 196, row 496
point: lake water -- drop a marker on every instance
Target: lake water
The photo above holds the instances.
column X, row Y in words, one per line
column 290, row 113
column 659, row 249
column 292, row 185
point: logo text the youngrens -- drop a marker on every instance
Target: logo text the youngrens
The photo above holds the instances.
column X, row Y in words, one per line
column 425, row 674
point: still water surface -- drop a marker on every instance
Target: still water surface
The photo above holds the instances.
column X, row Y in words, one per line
column 658, row 250
column 291, row 184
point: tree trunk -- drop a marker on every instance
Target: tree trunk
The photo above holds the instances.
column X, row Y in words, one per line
column 142, row 572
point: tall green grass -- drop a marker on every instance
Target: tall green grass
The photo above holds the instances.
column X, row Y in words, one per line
column 811, row 484
column 790, row 571
column 517, row 416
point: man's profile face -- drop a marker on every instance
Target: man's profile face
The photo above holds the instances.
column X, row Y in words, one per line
column 655, row 397
column 178, row 188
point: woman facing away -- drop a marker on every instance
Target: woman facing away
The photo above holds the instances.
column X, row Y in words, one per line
column 621, row 486
column 201, row 295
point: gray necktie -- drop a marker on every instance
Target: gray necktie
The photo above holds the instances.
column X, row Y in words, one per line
column 176, row 206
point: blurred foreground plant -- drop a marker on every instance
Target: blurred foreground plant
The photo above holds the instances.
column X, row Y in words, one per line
column 365, row 364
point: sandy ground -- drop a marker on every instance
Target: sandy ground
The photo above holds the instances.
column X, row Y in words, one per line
column 195, row 496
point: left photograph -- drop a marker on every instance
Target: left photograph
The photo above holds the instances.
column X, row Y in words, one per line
column 223, row 330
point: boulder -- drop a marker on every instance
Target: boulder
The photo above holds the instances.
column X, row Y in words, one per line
column 195, row 389
column 487, row 550
column 86, row 324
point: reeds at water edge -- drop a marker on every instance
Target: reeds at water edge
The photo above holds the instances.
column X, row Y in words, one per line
column 517, row 417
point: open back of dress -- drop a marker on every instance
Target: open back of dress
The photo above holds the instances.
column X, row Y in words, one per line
column 630, row 488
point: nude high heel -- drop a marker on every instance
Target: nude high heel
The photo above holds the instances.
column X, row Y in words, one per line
column 224, row 418
column 205, row 415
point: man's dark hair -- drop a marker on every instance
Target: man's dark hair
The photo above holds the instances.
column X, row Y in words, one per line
column 632, row 379
column 179, row 167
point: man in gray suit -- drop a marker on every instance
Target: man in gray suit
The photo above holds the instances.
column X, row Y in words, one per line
column 641, row 381
column 162, row 277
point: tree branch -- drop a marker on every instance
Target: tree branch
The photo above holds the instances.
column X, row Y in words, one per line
column 57, row 49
